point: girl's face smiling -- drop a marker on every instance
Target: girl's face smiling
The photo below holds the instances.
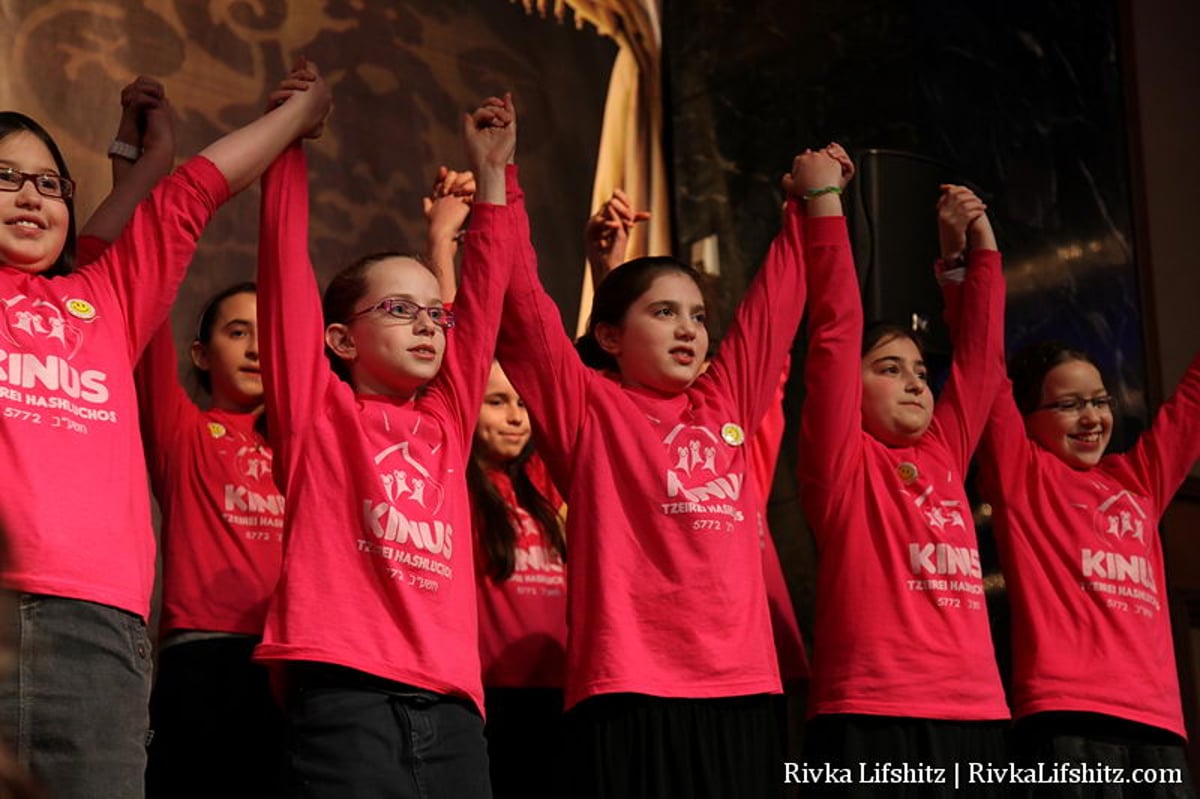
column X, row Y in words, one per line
column 503, row 429
column 1074, row 419
column 33, row 228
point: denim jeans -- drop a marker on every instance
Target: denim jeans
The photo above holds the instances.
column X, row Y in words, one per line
column 74, row 708
column 352, row 735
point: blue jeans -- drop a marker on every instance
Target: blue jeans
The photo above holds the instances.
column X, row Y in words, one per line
column 353, row 735
column 74, row 708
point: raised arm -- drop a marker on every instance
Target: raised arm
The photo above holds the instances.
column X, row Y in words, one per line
column 164, row 408
column 446, row 210
column 146, row 262
column 535, row 351
column 303, row 102
column 490, row 135
column 976, row 318
column 606, row 235
column 291, row 329
column 831, row 418
column 291, row 326
column 1165, row 453
column 142, row 154
column 756, row 345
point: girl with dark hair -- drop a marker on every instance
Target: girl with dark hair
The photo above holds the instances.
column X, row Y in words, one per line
column 222, row 539
column 670, row 663
column 903, row 669
column 372, row 626
column 520, row 556
column 520, row 551
column 605, row 237
column 75, row 509
column 1094, row 676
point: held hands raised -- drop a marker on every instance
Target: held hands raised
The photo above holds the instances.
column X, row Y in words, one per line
column 817, row 179
column 490, row 135
column 448, row 203
column 305, row 88
column 961, row 216
column 606, row 234
column 146, row 119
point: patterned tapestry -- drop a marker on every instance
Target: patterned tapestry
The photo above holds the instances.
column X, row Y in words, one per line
column 402, row 73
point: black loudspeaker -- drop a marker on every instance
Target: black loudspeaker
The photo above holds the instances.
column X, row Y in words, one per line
column 893, row 229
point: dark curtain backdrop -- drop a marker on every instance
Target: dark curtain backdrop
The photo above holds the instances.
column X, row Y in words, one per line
column 1024, row 99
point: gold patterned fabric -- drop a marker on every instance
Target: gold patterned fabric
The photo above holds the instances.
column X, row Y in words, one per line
column 402, row 75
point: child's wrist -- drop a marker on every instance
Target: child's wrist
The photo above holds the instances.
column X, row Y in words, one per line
column 820, row 191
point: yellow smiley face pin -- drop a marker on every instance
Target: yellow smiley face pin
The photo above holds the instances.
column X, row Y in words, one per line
column 908, row 472
column 216, row 429
column 81, row 309
column 733, row 434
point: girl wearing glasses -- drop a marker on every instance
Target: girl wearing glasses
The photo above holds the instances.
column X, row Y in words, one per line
column 373, row 624
column 1094, row 677
column 75, row 515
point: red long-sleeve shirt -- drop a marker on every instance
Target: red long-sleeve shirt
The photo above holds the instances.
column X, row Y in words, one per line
column 901, row 625
column 1083, row 562
column 222, row 514
column 378, row 571
column 523, row 619
column 666, row 593
column 76, row 508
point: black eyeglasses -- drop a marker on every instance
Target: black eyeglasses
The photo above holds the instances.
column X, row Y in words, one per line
column 407, row 311
column 1077, row 405
column 47, row 184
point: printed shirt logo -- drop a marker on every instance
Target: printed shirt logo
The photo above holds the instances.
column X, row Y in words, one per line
column 37, row 344
column 699, row 477
column 1119, row 566
column 253, row 461
column 537, row 568
column 407, row 479
column 34, row 324
column 940, row 514
column 949, row 563
column 413, row 500
column 1120, row 518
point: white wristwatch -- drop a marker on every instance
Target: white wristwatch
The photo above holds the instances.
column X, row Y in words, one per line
column 121, row 149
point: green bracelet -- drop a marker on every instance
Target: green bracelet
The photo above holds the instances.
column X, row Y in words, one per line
column 812, row 194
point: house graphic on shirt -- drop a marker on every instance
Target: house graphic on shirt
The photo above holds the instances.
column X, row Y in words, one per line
column 406, row 480
column 1121, row 518
column 27, row 320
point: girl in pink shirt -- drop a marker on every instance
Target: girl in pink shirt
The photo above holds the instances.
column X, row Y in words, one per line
column 75, row 514
column 372, row 626
column 222, row 537
column 1094, row 675
column 903, row 670
column 520, row 562
column 670, row 662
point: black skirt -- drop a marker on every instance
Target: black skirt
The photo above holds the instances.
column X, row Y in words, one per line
column 860, row 755
column 1110, row 757
column 632, row 746
column 526, row 745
